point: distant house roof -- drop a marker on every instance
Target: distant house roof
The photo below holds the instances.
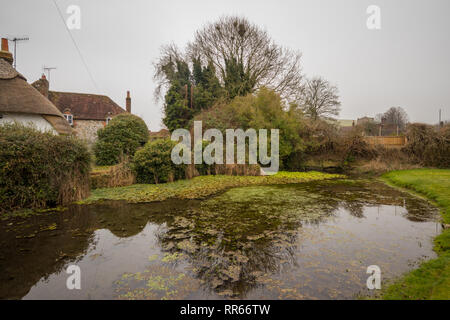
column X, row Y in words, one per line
column 345, row 123
column 85, row 106
column 163, row 133
column 367, row 118
column 364, row 120
column 17, row 96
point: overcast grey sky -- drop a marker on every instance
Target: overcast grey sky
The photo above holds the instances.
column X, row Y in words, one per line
column 406, row 63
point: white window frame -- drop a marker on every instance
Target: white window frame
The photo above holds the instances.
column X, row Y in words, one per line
column 108, row 119
column 69, row 118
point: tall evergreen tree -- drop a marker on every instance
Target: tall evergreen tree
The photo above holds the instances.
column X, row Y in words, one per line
column 189, row 92
column 237, row 81
column 177, row 112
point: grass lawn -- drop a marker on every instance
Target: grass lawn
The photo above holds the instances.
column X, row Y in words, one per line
column 432, row 279
column 199, row 187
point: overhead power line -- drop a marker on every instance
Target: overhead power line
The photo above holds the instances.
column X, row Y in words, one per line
column 76, row 46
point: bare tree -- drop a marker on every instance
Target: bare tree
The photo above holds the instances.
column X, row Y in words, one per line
column 396, row 116
column 320, row 99
column 165, row 67
column 235, row 40
column 378, row 117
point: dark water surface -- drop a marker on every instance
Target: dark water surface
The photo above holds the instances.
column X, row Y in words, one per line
column 305, row 241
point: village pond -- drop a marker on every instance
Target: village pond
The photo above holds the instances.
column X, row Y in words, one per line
column 297, row 241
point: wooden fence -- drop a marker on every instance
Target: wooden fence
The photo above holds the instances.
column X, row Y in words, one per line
column 388, row 141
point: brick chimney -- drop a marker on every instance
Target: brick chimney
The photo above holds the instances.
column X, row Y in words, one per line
column 128, row 102
column 42, row 85
column 4, row 53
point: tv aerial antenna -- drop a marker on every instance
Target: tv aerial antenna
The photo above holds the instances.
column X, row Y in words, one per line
column 15, row 40
column 48, row 70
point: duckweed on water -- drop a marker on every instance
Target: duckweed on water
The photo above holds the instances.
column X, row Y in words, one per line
column 157, row 282
column 295, row 241
column 200, row 187
column 237, row 247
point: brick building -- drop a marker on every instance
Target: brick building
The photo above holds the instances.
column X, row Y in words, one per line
column 86, row 113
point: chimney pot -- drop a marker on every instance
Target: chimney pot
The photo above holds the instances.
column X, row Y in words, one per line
column 4, row 53
column 5, row 44
column 128, row 102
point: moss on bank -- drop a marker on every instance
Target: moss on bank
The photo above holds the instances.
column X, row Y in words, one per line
column 200, row 187
column 432, row 279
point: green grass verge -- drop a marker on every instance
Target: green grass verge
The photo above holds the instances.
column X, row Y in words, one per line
column 200, row 187
column 432, row 279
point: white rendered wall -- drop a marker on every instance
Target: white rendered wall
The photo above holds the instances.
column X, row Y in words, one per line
column 34, row 120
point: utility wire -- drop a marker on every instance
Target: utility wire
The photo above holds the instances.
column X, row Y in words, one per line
column 76, row 46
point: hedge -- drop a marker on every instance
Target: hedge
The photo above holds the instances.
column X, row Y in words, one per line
column 427, row 145
column 39, row 169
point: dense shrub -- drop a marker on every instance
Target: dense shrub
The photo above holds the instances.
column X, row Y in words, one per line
column 326, row 146
column 153, row 164
column 320, row 141
column 40, row 169
column 123, row 135
column 264, row 110
column 427, row 145
column 352, row 146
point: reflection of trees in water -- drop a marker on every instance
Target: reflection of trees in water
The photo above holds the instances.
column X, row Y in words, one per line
column 36, row 247
column 357, row 194
column 355, row 208
column 33, row 248
column 228, row 262
column 230, row 241
column 418, row 210
column 230, row 247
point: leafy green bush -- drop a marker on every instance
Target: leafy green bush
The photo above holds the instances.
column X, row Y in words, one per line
column 153, row 164
column 123, row 135
column 40, row 169
column 264, row 110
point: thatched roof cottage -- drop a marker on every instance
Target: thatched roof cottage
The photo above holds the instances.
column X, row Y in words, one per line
column 20, row 102
column 86, row 113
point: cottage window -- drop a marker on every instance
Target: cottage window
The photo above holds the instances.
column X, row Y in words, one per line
column 69, row 118
column 108, row 119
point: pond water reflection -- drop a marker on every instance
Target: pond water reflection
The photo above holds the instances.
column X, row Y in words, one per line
column 304, row 241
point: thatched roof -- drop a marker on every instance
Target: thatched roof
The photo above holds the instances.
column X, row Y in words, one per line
column 85, row 106
column 17, row 96
column 8, row 72
column 59, row 124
